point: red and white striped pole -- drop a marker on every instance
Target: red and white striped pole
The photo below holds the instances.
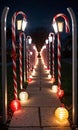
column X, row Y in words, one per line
column 20, row 58
column 59, row 44
column 59, row 61
column 53, row 38
column 53, row 70
column 14, row 49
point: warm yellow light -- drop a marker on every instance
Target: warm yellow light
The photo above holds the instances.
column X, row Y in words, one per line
column 49, row 76
column 30, row 76
column 54, row 88
column 23, row 96
column 60, row 26
column 53, row 79
column 24, row 24
column 61, row 113
column 19, row 24
column 55, row 27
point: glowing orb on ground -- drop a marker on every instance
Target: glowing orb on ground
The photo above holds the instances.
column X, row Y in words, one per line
column 29, row 80
column 47, row 70
column 33, row 73
column 35, row 67
column 60, row 93
column 53, row 79
column 30, row 76
column 23, row 96
column 54, row 88
column 61, row 113
column 49, row 76
column 45, row 67
column 15, row 105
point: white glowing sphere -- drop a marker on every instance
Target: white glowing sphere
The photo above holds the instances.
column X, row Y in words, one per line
column 49, row 76
column 45, row 66
column 30, row 76
column 35, row 67
column 54, row 88
column 33, row 73
column 23, row 96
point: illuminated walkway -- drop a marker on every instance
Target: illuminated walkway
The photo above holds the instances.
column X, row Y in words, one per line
column 38, row 112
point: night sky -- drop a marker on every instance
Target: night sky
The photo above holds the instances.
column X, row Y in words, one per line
column 39, row 12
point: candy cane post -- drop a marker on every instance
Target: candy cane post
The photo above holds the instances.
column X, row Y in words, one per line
column 59, row 44
column 47, row 45
column 14, row 49
column 52, row 35
column 20, row 58
column 28, row 44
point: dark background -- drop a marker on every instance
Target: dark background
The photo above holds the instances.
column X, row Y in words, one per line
column 39, row 14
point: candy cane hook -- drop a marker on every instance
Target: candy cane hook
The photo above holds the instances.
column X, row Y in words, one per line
column 66, row 21
column 59, row 44
column 14, row 49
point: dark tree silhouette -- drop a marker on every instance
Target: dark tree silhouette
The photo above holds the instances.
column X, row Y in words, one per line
column 38, row 36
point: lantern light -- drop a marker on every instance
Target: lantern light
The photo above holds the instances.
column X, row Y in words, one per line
column 58, row 26
column 23, row 96
column 21, row 24
column 54, row 88
column 61, row 113
column 15, row 105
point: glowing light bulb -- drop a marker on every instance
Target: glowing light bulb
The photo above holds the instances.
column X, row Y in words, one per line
column 23, row 96
column 54, row 88
column 15, row 105
column 49, row 76
column 29, row 80
column 60, row 93
column 53, row 79
column 61, row 113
